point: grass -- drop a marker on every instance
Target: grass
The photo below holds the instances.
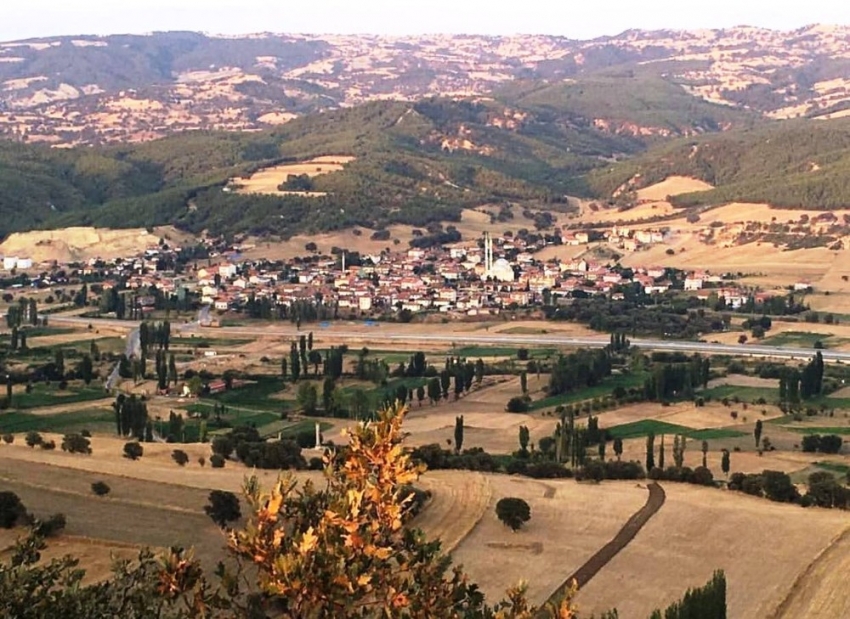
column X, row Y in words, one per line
column 206, row 342
column 844, row 431
column 626, row 381
column 95, row 420
column 43, row 331
column 644, row 427
column 43, row 394
column 834, row 467
column 255, row 396
column 801, row 339
column 771, row 396
column 474, row 352
column 744, row 394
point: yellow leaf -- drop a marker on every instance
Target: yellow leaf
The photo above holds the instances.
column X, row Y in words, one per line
column 309, row 541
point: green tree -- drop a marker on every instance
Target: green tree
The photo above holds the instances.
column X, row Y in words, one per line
column 328, row 387
column 724, row 462
column 523, row 382
column 705, row 454
column 86, row 372
column 420, row 394
column 662, row 453
column 513, row 512
column 180, row 457
column 458, row 433
column 524, row 438
column 757, row 430
column 133, row 450
column 479, row 371
column 307, row 398
column 650, row 451
column 618, row 447
column 294, row 363
column 223, row 507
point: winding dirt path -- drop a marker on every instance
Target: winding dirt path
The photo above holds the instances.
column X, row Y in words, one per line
column 625, row 535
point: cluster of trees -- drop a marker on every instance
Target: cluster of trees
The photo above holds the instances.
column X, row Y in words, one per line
column 639, row 314
column 796, row 385
column 249, row 447
column 583, row 368
column 679, row 378
column 25, row 312
column 131, row 417
column 823, row 489
column 828, row 443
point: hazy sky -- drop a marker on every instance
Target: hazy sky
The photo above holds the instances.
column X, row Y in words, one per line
column 572, row 18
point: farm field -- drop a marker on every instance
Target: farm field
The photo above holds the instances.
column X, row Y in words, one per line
column 266, row 180
column 569, row 523
column 692, row 535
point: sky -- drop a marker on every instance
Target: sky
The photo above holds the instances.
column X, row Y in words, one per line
column 580, row 19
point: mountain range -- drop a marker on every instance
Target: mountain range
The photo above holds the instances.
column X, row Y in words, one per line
column 146, row 130
column 86, row 90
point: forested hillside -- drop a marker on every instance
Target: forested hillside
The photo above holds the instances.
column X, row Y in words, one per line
column 787, row 164
column 415, row 163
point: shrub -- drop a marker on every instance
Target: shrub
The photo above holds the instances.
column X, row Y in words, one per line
column 8, row 438
column 133, row 450
column 615, row 469
column 11, row 510
column 516, row 466
column 517, row 404
column 547, row 469
column 316, row 464
column 703, row 476
column 223, row 506
column 180, row 457
column 76, row 443
column 48, row 445
column 100, row 488
column 593, row 470
column 513, row 512
column 33, row 439
column 202, row 461
column 86, row 433
column 216, row 461
column 54, row 525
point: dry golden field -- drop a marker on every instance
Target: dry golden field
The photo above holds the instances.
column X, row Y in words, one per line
column 81, row 243
column 762, row 547
column 569, row 523
column 673, row 186
column 266, row 180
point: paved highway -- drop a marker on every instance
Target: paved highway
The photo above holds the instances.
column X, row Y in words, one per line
column 393, row 333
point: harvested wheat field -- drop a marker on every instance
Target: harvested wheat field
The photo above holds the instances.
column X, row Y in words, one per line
column 712, row 415
column 820, row 590
column 673, row 186
column 156, row 465
column 81, row 243
column 458, row 501
column 96, row 556
column 569, row 523
column 762, row 547
column 266, row 180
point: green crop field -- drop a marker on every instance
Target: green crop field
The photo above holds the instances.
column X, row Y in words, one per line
column 801, row 339
column 626, row 381
column 94, row 420
column 44, row 394
column 255, row 396
column 644, row 427
column 844, row 431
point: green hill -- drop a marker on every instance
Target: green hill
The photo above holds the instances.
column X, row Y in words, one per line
column 415, row 164
column 787, row 164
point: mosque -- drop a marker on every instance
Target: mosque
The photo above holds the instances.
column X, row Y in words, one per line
column 500, row 270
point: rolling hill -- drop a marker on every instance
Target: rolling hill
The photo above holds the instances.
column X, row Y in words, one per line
column 414, row 163
column 123, row 88
column 788, row 164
